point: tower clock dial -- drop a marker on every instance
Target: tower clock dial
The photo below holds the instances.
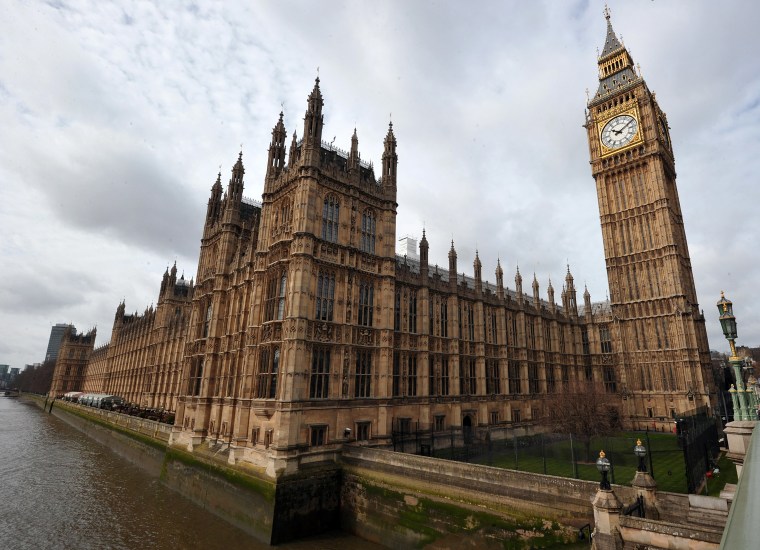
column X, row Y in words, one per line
column 619, row 131
column 664, row 132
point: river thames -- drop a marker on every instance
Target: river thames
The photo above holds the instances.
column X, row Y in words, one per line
column 60, row 489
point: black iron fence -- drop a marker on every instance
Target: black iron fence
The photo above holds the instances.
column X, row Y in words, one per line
column 698, row 439
column 678, row 462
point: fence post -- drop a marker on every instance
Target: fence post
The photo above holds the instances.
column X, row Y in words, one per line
column 572, row 457
column 543, row 451
column 451, row 448
column 649, row 448
column 687, row 465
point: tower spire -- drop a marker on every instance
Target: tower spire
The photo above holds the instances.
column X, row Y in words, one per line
column 390, row 159
column 499, row 279
column 235, row 186
column 353, row 156
column 276, row 160
column 550, row 297
column 312, row 124
column 424, row 256
column 452, row 265
column 214, row 201
column 293, row 153
column 518, row 285
column 616, row 68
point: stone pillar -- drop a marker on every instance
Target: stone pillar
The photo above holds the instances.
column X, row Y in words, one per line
column 738, row 434
column 646, row 487
column 735, row 403
column 606, row 520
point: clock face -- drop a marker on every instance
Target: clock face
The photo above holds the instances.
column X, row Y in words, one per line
column 619, row 131
column 664, row 132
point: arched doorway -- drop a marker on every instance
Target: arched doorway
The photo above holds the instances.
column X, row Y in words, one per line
column 467, row 429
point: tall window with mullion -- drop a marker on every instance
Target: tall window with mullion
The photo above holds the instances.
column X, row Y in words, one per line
column 439, row 375
column 325, row 296
column 363, row 374
column 196, row 376
column 368, row 232
column 366, row 303
column 467, row 378
column 330, row 219
column 275, row 302
column 269, row 367
column 319, row 387
column 493, row 382
column 514, row 377
column 404, row 375
column 534, row 384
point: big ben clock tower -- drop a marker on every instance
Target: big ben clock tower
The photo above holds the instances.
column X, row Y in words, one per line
column 663, row 355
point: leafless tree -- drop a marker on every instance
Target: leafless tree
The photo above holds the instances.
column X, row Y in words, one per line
column 586, row 410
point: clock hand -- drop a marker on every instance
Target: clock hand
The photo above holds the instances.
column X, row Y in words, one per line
column 624, row 127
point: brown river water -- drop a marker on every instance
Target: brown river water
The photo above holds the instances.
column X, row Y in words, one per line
column 59, row 489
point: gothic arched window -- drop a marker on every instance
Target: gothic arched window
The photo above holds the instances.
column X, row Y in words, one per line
column 275, row 301
column 269, row 366
column 325, row 296
column 330, row 219
column 366, row 303
column 368, row 232
column 207, row 321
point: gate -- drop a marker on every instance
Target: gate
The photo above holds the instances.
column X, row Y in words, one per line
column 698, row 439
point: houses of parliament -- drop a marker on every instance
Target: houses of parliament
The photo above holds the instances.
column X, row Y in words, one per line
column 303, row 329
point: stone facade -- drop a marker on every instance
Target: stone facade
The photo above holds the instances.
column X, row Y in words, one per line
column 72, row 361
column 662, row 355
column 143, row 361
column 305, row 331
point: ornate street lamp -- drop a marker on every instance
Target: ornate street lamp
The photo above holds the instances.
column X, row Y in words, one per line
column 728, row 324
column 640, row 451
column 603, row 465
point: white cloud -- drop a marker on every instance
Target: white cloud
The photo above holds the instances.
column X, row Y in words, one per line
column 115, row 117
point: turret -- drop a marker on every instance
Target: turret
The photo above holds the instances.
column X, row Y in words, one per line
column 477, row 268
column 293, row 153
column 550, row 296
column 215, row 201
column 587, row 305
column 235, row 186
column 424, row 258
column 390, row 160
column 164, row 281
column 452, row 266
column 499, row 279
column 353, row 155
column 536, row 297
column 276, row 161
column 572, row 304
column 518, row 286
column 120, row 311
column 312, row 126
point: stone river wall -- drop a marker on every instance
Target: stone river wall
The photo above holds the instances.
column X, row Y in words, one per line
column 395, row 499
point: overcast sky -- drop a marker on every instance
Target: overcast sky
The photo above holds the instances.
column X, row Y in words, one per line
column 114, row 120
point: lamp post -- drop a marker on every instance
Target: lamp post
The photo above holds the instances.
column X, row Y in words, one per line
column 603, row 465
column 728, row 324
column 640, row 451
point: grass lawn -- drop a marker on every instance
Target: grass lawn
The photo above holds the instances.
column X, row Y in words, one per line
column 556, row 458
column 727, row 475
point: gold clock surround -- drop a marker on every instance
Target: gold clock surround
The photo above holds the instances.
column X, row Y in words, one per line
column 628, row 109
